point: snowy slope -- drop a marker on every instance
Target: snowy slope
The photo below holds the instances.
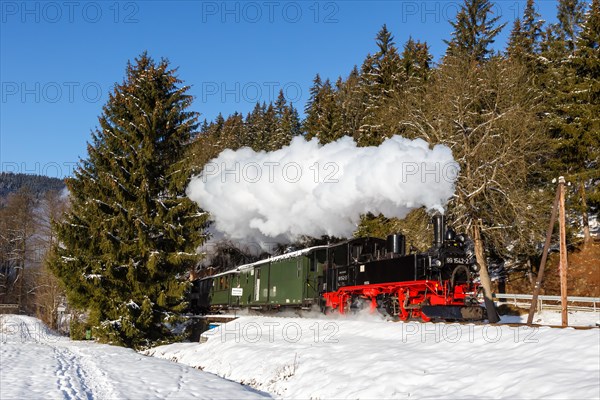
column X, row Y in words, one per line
column 359, row 359
column 36, row 364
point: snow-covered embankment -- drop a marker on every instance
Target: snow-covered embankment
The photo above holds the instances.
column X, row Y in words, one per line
column 344, row 358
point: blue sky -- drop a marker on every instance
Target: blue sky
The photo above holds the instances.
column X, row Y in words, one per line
column 59, row 60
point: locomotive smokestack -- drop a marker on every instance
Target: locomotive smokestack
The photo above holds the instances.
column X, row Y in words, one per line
column 438, row 229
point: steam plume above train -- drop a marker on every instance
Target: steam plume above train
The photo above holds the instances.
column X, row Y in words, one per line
column 311, row 189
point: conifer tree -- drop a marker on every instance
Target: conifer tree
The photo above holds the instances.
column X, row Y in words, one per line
column 381, row 79
column 287, row 122
column 324, row 119
column 532, row 28
column 474, row 30
column 255, row 127
column 416, row 60
column 131, row 234
column 313, row 109
column 232, row 133
column 574, row 123
column 516, row 42
column 570, row 17
column 351, row 100
column 269, row 141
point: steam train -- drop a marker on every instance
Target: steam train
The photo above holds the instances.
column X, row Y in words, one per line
column 438, row 284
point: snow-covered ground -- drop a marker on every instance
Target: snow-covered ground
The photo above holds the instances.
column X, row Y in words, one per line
column 366, row 357
column 361, row 356
column 36, row 364
column 554, row 318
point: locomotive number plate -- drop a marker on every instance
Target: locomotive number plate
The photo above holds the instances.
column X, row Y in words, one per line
column 456, row 260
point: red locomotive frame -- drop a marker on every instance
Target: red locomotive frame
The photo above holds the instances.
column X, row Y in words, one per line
column 412, row 297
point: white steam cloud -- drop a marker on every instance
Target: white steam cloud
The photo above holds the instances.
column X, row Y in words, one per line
column 309, row 189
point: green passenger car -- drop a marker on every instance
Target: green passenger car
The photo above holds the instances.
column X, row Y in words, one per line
column 289, row 280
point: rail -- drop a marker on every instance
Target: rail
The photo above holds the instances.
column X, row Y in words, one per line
column 551, row 302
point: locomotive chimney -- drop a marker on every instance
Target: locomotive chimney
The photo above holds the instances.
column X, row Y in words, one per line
column 438, row 229
column 396, row 245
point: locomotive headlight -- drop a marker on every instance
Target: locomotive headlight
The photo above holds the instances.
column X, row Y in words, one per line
column 436, row 263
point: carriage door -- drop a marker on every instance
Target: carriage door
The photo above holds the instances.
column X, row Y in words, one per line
column 257, row 284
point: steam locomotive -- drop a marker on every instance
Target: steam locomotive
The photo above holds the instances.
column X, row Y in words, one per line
column 438, row 284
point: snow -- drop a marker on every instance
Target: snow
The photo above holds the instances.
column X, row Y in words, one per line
column 358, row 357
column 35, row 363
column 364, row 357
column 554, row 318
column 281, row 257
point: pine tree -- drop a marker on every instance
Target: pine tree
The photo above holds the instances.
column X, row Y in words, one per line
column 269, row 140
column 532, row 29
column 287, row 122
column 351, row 100
column 324, row 118
column 255, row 128
column 570, row 17
column 232, row 133
column 382, row 79
column 574, row 123
column 313, row 109
column 474, row 31
column 131, row 234
column 516, row 42
column 416, row 60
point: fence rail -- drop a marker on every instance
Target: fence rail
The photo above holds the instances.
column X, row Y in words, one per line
column 9, row 308
column 551, row 302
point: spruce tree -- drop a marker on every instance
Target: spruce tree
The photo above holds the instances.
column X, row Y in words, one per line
column 324, row 118
column 532, row 28
column 474, row 31
column 574, row 122
column 287, row 122
column 570, row 17
column 416, row 60
column 232, row 133
column 131, row 234
column 313, row 109
column 516, row 42
column 255, row 128
column 269, row 129
column 382, row 79
column 351, row 100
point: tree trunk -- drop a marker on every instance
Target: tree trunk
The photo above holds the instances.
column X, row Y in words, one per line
column 586, row 222
column 563, row 253
column 484, row 276
column 540, row 276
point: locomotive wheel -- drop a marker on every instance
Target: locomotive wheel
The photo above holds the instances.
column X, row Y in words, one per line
column 391, row 306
